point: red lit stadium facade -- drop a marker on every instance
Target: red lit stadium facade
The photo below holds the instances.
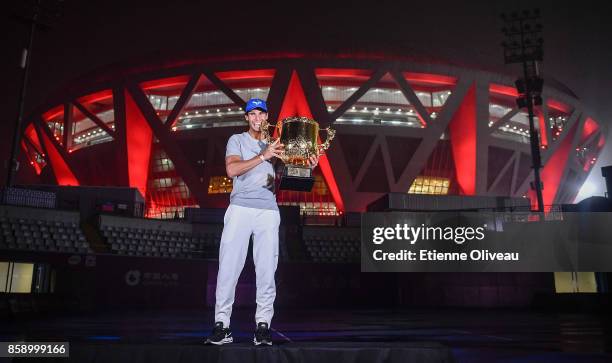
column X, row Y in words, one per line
column 401, row 127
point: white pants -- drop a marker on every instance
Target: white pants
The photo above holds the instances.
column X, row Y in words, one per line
column 239, row 223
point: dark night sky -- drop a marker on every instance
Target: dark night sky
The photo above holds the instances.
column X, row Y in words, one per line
column 92, row 34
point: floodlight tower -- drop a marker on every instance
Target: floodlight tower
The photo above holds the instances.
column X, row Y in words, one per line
column 523, row 44
column 36, row 15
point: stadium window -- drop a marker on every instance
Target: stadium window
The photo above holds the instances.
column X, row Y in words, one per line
column 425, row 98
column 22, row 278
column 4, row 272
column 439, row 98
column 159, row 102
column 16, row 277
column 575, row 282
column 219, row 185
column 314, row 208
column 163, row 164
column 429, row 185
column 183, row 191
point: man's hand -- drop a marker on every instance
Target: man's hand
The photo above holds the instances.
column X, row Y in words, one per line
column 313, row 161
column 275, row 149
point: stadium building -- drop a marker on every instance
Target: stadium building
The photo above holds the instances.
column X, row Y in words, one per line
column 402, row 126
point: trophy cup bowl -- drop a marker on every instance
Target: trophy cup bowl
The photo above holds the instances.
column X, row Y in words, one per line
column 299, row 135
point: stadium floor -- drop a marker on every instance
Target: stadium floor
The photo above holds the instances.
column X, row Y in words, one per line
column 468, row 335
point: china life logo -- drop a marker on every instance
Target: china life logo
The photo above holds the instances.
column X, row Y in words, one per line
column 132, row 277
column 137, row 277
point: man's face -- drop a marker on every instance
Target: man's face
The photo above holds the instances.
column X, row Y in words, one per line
column 255, row 118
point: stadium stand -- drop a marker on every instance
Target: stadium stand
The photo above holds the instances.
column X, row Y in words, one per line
column 159, row 238
column 332, row 244
column 37, row 229
column 29, row 198
column 25, row 228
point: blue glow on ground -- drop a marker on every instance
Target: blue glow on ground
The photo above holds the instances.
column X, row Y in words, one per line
column 104, row 337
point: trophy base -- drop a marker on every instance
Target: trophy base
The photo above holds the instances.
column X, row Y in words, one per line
column 297, row 178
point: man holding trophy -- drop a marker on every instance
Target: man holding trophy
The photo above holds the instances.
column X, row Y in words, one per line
column 253, row 211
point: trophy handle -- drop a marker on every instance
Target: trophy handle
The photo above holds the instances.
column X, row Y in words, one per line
column 264, row 127
column 331, row 133
column 266, row 132
column 278, row 128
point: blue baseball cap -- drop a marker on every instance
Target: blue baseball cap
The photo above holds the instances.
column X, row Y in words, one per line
column 254, row 103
